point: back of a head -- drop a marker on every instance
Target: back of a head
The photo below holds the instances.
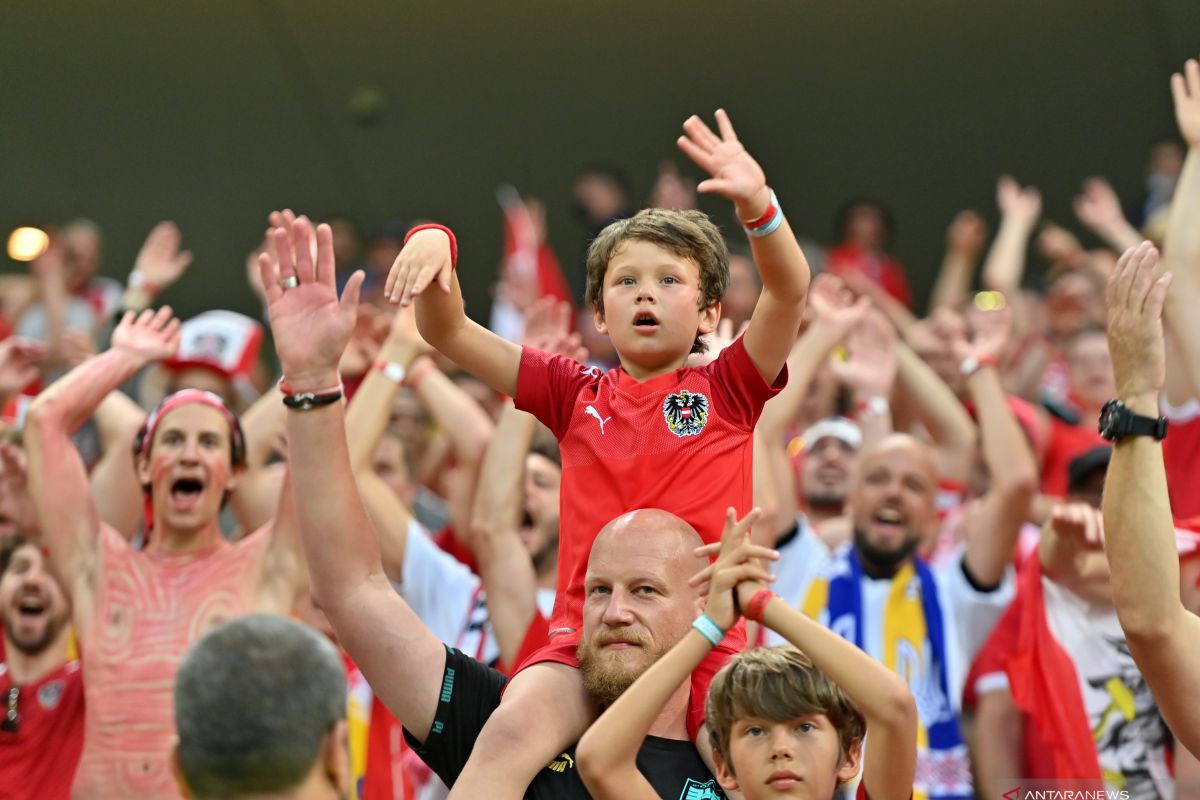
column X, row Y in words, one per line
column 777, row 684
column 254, row 700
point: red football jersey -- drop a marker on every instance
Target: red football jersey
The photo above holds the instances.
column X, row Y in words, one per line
column 1181, row 456
column 38, row 759
column 680, row 442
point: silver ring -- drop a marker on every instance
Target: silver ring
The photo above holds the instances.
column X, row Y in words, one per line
column 290, row 282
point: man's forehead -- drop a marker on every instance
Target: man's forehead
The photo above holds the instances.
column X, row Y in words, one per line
column 193, row 416
column 901, row 453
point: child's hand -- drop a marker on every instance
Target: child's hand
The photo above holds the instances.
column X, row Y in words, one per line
column 735, row 174
column 424, row 259
column 739, row 561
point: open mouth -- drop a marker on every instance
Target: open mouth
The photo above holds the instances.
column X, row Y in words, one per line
column 645, row 320
column 31, row 607
column 185, row 492
column 891, row 518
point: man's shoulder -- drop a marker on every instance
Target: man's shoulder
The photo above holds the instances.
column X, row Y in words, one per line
column 673, row 767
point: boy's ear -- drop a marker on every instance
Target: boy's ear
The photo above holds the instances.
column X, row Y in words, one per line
column 851, row 763
column 598, row 318
column 725, row 775
column 709, row 317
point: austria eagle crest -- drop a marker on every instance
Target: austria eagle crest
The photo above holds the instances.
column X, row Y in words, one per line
column 686, row 413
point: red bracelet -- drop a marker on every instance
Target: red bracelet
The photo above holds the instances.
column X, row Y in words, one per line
column 419, row 370
column 443, row 229
column 335, row 389
column 765, row 217
column 758, row 604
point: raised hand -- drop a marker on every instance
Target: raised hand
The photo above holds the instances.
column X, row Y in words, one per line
column 1185, row 89
column 991, row 332
column 1136, row 293
column 19, row 360
column 871, row 367
column 160, row 262
column 1078, row 522
column 147, row 337
column 423, row 260
column 735, row 174
column 738, row 560
column 548, row 328
column 834, row 305
column 311, row 326
column 1023, row 204
column 967, row 234
column 1098, row 207
column 16, row 503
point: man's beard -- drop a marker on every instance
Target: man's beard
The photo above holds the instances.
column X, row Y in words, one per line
column 831, row 501
column 606, row 675
column 881, row 562
column 38, row 645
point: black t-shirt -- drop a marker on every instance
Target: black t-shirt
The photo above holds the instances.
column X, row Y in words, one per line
column 471, row 692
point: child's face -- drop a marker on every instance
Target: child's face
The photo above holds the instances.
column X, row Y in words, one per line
column 652, row 306
column 799, row 758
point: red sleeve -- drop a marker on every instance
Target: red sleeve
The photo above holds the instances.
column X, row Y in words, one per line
column 447, row 539
column 739, row 387
column 548, row 384
column 536, row 636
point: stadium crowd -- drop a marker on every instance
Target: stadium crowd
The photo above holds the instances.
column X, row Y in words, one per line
column 695, row 533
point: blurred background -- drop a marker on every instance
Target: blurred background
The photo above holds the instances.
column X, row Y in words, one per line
column 212, row 113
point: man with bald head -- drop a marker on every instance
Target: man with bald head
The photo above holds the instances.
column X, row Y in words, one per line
column 924, row 622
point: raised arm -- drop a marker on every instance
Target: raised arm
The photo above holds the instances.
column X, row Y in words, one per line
column 737, row 177
column 55, row 469
column 869, row 371
column 260, row 484
column 1163, row 637
column 427, row 258
column 996, row 523
column 400, row 657
column 607, row 754
column 940, row 412
column 1020, row 208
column 1098, row 207
column 1181, row 246
column 964, row 244
column 115, row 487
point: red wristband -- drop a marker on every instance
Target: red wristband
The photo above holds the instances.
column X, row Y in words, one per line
column 765, row 217
column 758, row 604
column 418, row 371
column 335, row 389
column 443, row 229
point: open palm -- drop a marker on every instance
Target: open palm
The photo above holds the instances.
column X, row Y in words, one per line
column 149, row 336
column 735, row 173
column 1185, row 89
column 310, row 324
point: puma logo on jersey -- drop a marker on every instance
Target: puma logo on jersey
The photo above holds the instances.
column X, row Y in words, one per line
column 561, row 764
column 592, row 412
column 591, row 372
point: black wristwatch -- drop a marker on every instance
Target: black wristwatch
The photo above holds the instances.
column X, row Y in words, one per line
column 1118, row 422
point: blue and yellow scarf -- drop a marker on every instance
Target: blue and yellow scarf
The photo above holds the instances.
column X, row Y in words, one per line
column 914, row 646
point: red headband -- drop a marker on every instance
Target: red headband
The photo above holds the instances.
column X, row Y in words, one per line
column 181, row 398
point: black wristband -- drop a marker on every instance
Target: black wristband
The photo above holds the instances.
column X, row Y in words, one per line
column 306, row 401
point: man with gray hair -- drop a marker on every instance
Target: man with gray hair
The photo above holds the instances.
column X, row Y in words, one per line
column 260, row 705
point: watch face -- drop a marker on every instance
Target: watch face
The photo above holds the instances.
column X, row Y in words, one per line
column 1110, row 419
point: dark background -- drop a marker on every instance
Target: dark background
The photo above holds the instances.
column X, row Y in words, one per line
column 212, row 113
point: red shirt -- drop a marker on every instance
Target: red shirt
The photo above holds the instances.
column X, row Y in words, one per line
column 881, row 269
column 39, row 759
column 1066, row 443
column 680, row 442
column 1181, row 457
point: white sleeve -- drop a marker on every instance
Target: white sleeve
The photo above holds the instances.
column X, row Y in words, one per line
column 800, row 561
column 969, row 616
column 436, row 585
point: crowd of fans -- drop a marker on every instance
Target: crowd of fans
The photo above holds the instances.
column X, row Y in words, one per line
column 931, row 556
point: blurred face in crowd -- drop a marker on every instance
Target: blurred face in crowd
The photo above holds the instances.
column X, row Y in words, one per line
column 33, row 605
column 539, row 523
column 410, row 423
column 599, row 197
column 828, row 467
column 1073, row 302
column 866, row 227
column 637, row 602
column 935, row 351
column 189, row 467
column 1166, row 159
column 892, row 503
column 1089, row 369
column 481, row 393
column 82, row 249
column 741, row 296
column 347, row 241
column 391, row 467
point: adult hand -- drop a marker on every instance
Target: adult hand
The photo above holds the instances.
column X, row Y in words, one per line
column 1078, row 522
column 1136, row 292
column 991, row 332
column 548, row 328
column 834, row 306
column 147, row 337
column 967, row 234
column 16, row 503
column 311, row 326
column 736, row 176
column 739, row 560
column 1098, row 207
column 1185, row 89
column 1023, row 204
column 19, row 360
column 423, row 260
column 870, row 369
column 160, row 262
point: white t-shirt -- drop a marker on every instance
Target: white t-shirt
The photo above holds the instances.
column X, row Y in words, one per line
column 447, row 596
